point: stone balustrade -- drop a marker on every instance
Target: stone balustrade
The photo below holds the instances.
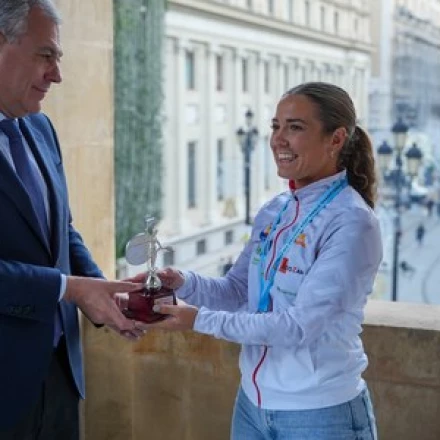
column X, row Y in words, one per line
column 182, row 385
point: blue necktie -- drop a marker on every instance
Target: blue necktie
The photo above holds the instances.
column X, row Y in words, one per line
column 26, row 172
column 30, row 180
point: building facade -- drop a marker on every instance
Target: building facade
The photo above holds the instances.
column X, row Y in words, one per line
column 405, row 67
column 222, row 59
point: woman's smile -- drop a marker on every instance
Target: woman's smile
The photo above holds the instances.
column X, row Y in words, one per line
column 286, row 157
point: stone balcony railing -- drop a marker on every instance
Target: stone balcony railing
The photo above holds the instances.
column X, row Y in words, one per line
column 403, row 344
column 182, row 385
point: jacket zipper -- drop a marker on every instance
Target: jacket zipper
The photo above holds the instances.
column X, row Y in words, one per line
column 263, row 356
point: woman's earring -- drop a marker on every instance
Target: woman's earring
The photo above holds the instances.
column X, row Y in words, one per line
column 332, row 154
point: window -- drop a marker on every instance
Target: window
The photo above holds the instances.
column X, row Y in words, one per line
column 191, row 174
column 168, row 258
column 229, row 237
column 336, row 22
column 189, row 70
column 307, row 13
column 219, row 73
column 266, row 68
column 249, row 4
column 220, row 170
column 270, row 7
column 323, row 18
column 244, row 75
column 201, row 247
column 290, row 10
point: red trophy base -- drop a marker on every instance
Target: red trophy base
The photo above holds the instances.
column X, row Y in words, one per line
column 140, row 304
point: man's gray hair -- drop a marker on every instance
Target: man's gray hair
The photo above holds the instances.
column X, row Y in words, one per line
column 14, row 16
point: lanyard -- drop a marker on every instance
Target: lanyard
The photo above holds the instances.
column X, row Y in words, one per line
column 266, row 284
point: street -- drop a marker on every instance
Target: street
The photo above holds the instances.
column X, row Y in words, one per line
column 420, row 282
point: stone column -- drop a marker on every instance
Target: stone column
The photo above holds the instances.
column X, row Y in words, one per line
column 257, row 156
column 340, row 76
column 283, row 77
column 310, row 70
column 177, row 151
column 234, row 162
column 303, row 71
column 208, row 151
column 350, row 75
column 362, row 110
column 175, row 88
column 294, row 77
column 331, row 73
column 325, row 72
column 232, row 84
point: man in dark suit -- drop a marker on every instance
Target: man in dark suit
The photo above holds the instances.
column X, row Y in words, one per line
column 46, row 271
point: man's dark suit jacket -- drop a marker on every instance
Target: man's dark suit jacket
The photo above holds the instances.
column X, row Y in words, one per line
column 30, row 277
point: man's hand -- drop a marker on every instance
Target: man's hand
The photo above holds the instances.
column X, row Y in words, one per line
column 180, row 317
column 95, row 298
column 139, row 278
column 170, row 277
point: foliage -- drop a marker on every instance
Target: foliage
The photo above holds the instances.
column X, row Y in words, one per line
column 138, row 41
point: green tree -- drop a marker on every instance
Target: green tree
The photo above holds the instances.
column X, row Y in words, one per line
column 138, row 43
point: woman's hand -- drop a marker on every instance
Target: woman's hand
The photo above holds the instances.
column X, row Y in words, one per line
column 180, row 317
column 170, row 277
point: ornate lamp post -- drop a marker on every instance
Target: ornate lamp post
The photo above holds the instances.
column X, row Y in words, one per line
column 413, row 159
column 384, row 155
column 247, row 138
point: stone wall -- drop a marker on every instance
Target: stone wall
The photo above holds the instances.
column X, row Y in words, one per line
column 82, row 111
column 81, row 108
column 184, row 384
column 403, row 345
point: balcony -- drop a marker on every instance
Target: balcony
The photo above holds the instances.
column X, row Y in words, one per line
column 183, row 385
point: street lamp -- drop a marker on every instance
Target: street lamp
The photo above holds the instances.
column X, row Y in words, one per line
column 384, row 155
column 247, row 139
column 413, row 158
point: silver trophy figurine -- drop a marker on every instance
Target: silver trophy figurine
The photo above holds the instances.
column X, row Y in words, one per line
column 143, row 248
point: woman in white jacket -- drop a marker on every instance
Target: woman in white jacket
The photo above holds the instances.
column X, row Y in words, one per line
column 294, row 298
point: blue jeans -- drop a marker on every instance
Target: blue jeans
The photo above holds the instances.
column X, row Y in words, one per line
column 353, row 420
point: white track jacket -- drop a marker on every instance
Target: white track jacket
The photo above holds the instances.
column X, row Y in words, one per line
column 306, row 352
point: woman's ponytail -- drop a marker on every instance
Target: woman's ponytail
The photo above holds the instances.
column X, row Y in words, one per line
column 358, row 159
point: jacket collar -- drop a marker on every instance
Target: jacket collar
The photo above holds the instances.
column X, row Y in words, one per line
column 41, row 151
column 311, row 192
